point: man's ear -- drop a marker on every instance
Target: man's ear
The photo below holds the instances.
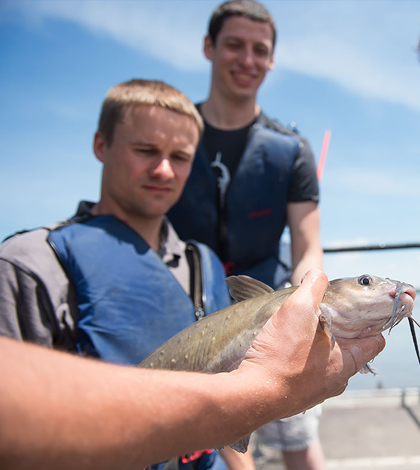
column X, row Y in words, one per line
column 99, row 146
column 271, row 64
column 208, row 47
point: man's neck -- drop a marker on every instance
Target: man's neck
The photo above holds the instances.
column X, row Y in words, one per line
column 148, row 228
column 229, row 115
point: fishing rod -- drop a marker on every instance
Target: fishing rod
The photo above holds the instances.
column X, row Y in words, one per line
column 380, row 246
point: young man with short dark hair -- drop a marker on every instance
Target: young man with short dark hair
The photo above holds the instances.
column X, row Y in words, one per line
column 251, row 177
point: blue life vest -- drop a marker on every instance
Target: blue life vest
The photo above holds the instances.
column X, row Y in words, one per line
column 253, row 217
column 129, row 302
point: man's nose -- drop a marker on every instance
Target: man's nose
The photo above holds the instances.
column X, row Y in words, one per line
column 246, row 57
column 163, row 168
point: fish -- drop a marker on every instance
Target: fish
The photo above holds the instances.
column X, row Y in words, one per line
column 353, row 307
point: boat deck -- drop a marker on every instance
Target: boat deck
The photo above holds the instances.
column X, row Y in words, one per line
column 364, row 430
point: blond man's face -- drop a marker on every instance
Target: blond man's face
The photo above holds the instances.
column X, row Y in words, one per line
column 148, row 163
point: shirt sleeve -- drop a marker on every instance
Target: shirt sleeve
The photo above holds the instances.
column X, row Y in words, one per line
column 37, row 301
column 22, row 307
column 304, row 181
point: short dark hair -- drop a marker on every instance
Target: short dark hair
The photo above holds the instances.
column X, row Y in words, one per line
column 247, row 8
column 139, row 92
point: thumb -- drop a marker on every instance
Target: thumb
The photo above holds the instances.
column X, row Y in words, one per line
column 303, row 304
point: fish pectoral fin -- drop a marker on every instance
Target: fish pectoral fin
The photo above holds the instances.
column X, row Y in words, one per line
column 241, row 445
column 325, row 322
column 245, row 287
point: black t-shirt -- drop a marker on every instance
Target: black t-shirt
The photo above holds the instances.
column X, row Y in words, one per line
column 225, row 146
column 224, row 150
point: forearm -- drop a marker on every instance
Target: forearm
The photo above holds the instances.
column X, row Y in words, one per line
column 303, row 219
column 61, row 411
column 310, row 259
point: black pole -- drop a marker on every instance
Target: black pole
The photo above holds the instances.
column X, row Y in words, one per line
column 383, row 246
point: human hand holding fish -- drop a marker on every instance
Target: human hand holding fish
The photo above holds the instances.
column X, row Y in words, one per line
column 293, row 357
column 290, row 366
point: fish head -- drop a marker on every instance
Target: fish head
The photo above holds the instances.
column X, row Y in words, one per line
column 366, row 305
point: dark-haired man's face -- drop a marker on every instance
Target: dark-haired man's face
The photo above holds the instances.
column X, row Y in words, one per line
column 241, row 57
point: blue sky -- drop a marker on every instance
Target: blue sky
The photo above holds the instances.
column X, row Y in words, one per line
column 348, row 66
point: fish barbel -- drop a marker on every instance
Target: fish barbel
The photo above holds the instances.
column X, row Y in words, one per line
column 351, row 308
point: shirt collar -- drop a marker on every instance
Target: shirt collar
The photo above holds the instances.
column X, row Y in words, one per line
column 171, row 247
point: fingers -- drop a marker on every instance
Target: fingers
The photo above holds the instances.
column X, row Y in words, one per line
column 358, row 352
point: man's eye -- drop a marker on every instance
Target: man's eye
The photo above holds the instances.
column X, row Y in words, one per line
column 233, row 45
column 147, row 151
column 181, row 158
column 261, row 52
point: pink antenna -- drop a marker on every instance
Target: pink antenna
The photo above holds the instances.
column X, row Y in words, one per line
column 323, row 157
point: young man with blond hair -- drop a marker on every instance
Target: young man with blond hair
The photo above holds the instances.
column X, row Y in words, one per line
column 115, row 281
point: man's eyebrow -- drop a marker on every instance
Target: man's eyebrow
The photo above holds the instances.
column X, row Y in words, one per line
column 143, row 143
column 231, row 36
column 184, row 152
column 152, row 145
column 239, row 38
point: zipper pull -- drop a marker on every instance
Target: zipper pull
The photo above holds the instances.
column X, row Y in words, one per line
column 199, row 313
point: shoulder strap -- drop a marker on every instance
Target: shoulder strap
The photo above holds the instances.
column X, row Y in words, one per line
column 196, row 279
column 274, row 125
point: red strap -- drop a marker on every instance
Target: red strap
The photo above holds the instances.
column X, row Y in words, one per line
column 228, row 265
column 195, row 455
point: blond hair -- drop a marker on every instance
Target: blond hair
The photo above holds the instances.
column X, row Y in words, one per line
column 139, row 92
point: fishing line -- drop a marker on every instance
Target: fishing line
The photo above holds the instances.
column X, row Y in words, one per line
column 394, row 312
column 397, row 321
column 413, row 335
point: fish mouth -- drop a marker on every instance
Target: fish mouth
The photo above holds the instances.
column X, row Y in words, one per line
column 407, row 295
column 403, row 305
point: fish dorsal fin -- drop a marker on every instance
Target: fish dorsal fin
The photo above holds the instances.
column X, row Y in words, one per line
column 245, row 287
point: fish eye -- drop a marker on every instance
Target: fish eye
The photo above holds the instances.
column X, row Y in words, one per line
column 365, row 280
